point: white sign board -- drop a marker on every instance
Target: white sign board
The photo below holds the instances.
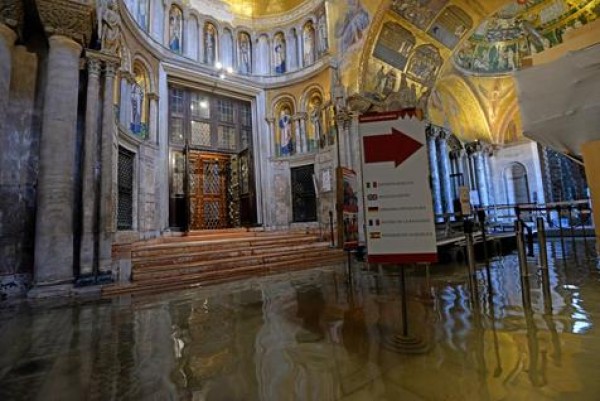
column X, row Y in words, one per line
column 399, row 214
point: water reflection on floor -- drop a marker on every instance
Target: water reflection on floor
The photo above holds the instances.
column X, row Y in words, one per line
column 316, row 335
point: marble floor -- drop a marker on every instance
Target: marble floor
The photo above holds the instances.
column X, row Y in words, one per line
column 321, row 335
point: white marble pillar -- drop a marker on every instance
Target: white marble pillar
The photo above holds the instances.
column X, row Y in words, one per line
column 153, row 118
column 7, row 42
column 303, row 132
column 297, row 136
column 482, row 186
column 272, row 138
column 54, row 216
column 108, row 150
column 434, row 173
column 90, row 163
column 489, row 176
column 445, row 171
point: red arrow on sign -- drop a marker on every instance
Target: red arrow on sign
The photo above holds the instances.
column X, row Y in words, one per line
column 395, row 147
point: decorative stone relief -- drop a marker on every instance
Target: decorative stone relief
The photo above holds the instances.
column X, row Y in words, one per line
column 11, row 13
column 68, row 18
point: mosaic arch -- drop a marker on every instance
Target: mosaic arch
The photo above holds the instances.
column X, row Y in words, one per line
column 284, row 127
column 139, row 109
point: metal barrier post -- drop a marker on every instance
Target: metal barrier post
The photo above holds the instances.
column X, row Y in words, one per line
column 542, row 243
column 521, row 248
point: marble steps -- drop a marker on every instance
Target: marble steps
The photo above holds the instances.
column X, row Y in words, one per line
column 183, row 247
column 290, row 254
column 203, row 254
column 209, row 236
column 329, row 258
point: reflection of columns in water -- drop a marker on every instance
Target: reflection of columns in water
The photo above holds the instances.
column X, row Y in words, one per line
column 436, row 191
column 445, row 171
column 55, row 203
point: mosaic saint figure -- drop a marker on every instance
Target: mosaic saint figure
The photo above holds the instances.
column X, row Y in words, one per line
column 350, row 29
column 279, row 54
column 309, row 44
column 322, row 34
column 137, row 99
column 245, row 62
column 285, row 129
column 210, row 39
column 175, row 29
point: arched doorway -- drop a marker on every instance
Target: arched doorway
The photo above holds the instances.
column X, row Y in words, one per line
column 516, row 184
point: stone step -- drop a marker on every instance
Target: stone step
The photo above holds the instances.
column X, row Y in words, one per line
column 185, row 247
column 248, row 235
column 291, row 255
column 199, row 255
column 190, row 281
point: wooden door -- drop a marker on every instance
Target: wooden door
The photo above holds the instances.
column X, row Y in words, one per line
column 208, row 191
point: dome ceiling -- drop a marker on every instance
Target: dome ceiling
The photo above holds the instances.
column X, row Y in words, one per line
column 261, row 8
column 506, row 41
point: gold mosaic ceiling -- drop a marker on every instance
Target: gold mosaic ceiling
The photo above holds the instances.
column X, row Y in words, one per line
column 259, row 8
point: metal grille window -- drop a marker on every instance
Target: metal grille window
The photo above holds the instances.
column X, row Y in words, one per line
column 225, row 110
column 304, row 201
column 125, row 190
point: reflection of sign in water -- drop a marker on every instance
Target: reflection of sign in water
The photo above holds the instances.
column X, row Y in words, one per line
column 347, row 187
column 399, row 211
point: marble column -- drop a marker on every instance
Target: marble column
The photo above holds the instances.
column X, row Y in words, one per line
column 304, row 133
column 272, row 138
column 348, row 140
column 7, row 42
column 445, row 171
column 108, row 179
column 488, row 153
column 153, row 118
column 90, row 163
column 436, row 189
column 482, row 186
column 297, row 136
column 55, row 196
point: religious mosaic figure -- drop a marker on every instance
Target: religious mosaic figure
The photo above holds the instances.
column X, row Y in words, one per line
column 322, row 34
column 175, row 29
column 142, row 13
column 109, row 29
column 137, row 100
column 285, row 130
column 350, row 30
column 245, row 61
column 279, row 50
column 309, row 44
column 210, row 40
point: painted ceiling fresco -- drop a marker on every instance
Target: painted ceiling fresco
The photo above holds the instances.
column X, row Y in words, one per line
column 506, row 40
column 454, row 59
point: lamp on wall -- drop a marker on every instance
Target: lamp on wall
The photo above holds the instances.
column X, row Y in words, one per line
column 223, row 71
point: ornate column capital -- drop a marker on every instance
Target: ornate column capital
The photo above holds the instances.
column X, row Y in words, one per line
column 431, row 132
column 473, row 147
column 110, row 69
column 67, row 18
column 94, row 67
column 152, row 96
column 270, row 120
column 12, row 14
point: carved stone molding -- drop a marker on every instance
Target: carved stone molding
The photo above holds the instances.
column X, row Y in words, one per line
column 67, row 18
column 12, row 13
column 94, row 67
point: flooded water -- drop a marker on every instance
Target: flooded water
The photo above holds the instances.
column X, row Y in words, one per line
column 321, row 335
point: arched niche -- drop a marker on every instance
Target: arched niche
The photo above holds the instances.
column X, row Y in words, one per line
column 175, row 29
column 279, row 53
column 284, row 127
column 308, row 44
column 263, row 57
column 139, row 103
column 211, row 37
column 516, row 184
column 227, row 48
column 244, row 53
column 316, row 132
